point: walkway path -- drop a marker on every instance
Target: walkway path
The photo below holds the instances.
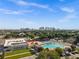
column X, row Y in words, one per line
column 33, row 57
column 30, row 57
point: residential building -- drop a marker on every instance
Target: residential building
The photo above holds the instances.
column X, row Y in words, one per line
column 13, row 44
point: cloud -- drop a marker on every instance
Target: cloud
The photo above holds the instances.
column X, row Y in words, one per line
column 25, row 3
column 67, row 18
column 24, row 21
column 61, row 0
column 67, row 9
column 20, row 2
column 41, row 6
column 71, row 14
column 7, row 11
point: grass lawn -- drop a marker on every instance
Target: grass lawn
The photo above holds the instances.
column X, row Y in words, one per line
column 19, row 56
column 18, row 52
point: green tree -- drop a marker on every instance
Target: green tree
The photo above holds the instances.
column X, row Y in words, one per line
column 47, row 54
column 73, row 47
column 53, row 55
column 59, row 51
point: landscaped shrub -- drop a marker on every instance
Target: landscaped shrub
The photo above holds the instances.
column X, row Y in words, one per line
column 73, row 47
column 77, row 50
column 59, row 51
column 77, row 58
column 42, row 55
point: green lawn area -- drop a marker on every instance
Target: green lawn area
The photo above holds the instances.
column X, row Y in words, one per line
column 19, row 56
column 18, row 52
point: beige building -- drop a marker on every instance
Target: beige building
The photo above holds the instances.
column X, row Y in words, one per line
column 13, row 44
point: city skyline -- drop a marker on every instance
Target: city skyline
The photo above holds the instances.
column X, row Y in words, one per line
column 15, row 14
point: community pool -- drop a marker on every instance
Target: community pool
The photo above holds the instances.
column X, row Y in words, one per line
column 52, row 45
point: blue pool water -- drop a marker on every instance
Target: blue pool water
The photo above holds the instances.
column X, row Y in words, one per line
column 52, row 45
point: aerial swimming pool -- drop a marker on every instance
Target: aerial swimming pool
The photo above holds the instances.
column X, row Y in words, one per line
column 52, row 45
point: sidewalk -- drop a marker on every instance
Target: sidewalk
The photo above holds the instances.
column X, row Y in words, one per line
column 30, row 57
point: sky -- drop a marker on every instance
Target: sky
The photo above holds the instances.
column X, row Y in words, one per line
column 15, row 14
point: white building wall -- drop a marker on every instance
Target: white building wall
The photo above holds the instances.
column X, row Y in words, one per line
column 14, row 44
